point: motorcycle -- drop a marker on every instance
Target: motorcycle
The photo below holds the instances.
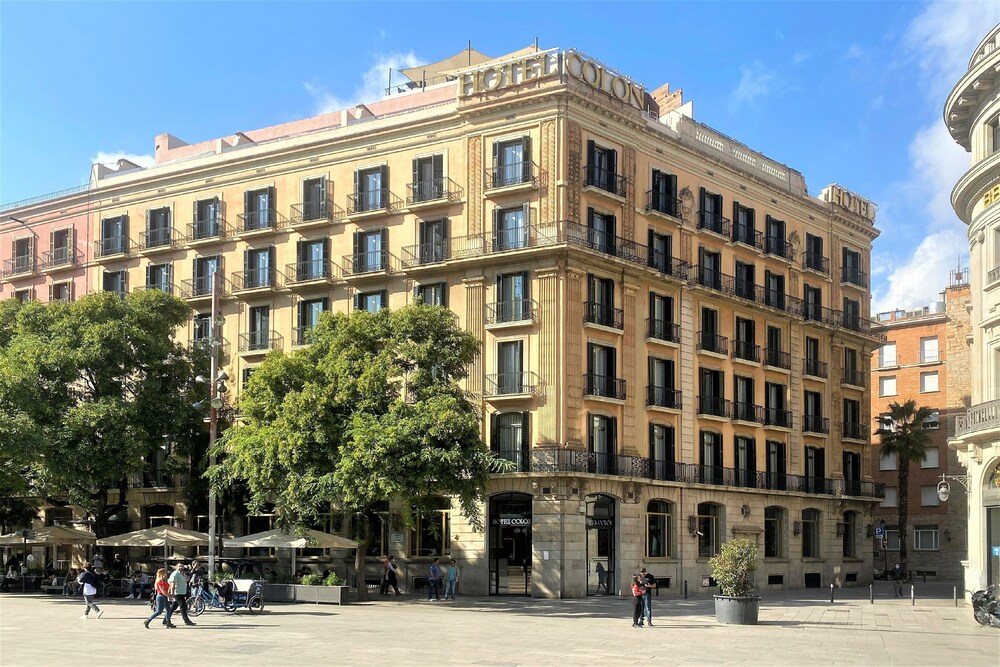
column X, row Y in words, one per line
column 986, row 608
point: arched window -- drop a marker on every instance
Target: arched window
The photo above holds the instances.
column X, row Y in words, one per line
column 775, row 522
column 710, row 526
column 810, row 533
column 659, row 529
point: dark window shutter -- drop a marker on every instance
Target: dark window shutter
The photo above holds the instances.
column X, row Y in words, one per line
column 525, row 434
column 590, row 432
column 384, row 182
column 246, row 264
column 590, row 216
column 194, row 269
column 671, row 454
column 148, row 272
column 168, row 272
column 650, row 235
column 527, row 214
column 357, row 186
column 671, row 191
column 149, row 218
column 357, row 248
column 612, row 229
column 383, row 298
column 272, row 200
column 652, row 304
column 525, row 285
column 384, row 244
column 247, row 202
column 590, row 287
column 326, row 249
column 357, row 301
column 497, row 214
column 526, row 157
column 652, row 440
column 446, row 228
column 736, row 212
column 416, row 174
column 496, row 157
column 613, row 168
column 701, row 197
column 591, row 153
column 500, row 294
column 438, row 168
column 590, row 358
column 613, row 439
column 494, row 432
column 194, row 212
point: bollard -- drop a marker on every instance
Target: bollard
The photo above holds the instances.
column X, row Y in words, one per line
column 954, row 593
column 685, row 589
column 871, row 593
column 831, row 593
column 913, row 597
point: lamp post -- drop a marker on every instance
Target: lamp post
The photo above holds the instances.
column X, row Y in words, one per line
column 944, row 488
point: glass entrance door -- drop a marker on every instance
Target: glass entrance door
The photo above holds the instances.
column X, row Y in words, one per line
column 510, row 544
column 601, row 567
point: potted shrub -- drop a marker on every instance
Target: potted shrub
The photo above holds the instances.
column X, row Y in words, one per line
column 733, row 568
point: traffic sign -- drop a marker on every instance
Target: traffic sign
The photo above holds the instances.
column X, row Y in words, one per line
column 996, row 551
column 879, row 531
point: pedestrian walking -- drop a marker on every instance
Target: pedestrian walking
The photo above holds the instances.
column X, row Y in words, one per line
column 383, row 588
column 897, row 575
column 452, row 579
column 647, row 597
column 638, row 591
column 88, row 580
column 179, row 591
column 162, row 588
column 434, row 580
column 392, row 575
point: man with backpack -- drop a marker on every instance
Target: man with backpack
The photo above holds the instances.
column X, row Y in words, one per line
column 90, row 582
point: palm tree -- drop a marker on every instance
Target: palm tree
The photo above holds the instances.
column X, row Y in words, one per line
column 903, row 435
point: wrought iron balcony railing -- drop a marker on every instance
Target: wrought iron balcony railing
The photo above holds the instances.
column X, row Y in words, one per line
column 261, row 278
column 18, row 265
column 853, row 431
column 260, row 341
column 604, row 315
column 58, row 257
column 266, row 219
column 370, row 201
column 746, row 351
column 816, row 262
column 505, row 312
column 748, row 236
column 663, row 397
column 310, row 270
column 606, row 180
column 854, row 377
column 431, row 190
column 814, row 368
column 715, row 406
column 426, row 253
column 313, row 210
column 777, row 359
column 709, row 341
column 508, row 384
column 714, row 222
column 509, row 175
column 777, row 417
column 156, row 238
column 605, row 386
column 517, row 455
column 201, row 286
column 208, row 229
column 814, row 312
column 778, row 247
column 748, row 412
column 663, row 330
column 815, row 424
column 372, row 261
column 661, row 203
column 113, row 245
column 854, row 276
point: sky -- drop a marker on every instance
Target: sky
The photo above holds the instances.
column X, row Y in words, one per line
column 843, row 92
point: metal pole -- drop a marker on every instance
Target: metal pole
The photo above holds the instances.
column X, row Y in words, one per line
column 954, row 594
column 913, row 596
column 214, row 344
column 685, row 589
column 831, row 593
column 871, row 593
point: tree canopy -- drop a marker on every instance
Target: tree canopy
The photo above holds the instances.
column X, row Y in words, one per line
column 88, row 391
column 371, row 411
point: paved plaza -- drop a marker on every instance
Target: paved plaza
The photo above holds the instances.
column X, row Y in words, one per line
column 797, row 628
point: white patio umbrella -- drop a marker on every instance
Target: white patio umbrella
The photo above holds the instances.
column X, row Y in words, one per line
column 160, row 536
column 49, row 536
column 309, row 539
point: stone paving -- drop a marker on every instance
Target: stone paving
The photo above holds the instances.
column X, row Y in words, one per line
column 796, row 628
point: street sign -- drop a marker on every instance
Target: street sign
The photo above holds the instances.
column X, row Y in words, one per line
column 879, row 531
column 996, row 551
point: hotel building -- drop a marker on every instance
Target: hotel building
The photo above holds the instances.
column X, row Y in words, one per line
column 675, row 333
column 972, row 114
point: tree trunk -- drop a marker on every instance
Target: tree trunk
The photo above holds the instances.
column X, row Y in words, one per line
column 904, row 509
column 103, row 510
column 359, row 556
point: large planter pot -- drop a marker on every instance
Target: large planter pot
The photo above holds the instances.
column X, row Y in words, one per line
column 737, row 611
column 300, row 593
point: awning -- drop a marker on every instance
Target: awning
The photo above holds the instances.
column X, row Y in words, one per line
column 310, row 539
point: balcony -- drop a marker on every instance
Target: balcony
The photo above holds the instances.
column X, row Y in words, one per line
column 265, row 278
column 605, row 180
column 853, row 276
column 59, row 258
column 778, row 247
column 993, row 276
column 814, row 312
column 663, row 470
column 814, row 261
column 433, row 191
column 111, row 247
column 815, row 424
column 300, row 335
column 861, row 325
column 604, row 386
column 603, row 315
column 19, row 265
column 709, row 341
column 853, row 431
column 516, row 455
column 663, row 330
column 780, row 301
column 814, row 368
column 517, row 311
column 200, row 287
column 262, row 221
column 980, row 421
column 162, row 286
column 512, row 239
column 379, row 200
column 310, row 271
column 511, row 385
column 426, row 253
column 714, row 222
column 748, row 412
column 746, row 351
column 664, row 263
column 314, row 212
column 729, row 285
column 854, row 377
column 658, row 202
column 748, row 236
column 777, row 359
column 510, row 175
column 777, row 417
column 368, row 263
column 152, row 240
column 207, row 230
column 715, row 407
column 260, row 341
column 663, row 397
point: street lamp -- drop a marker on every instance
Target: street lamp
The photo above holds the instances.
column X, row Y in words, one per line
column 944, row 488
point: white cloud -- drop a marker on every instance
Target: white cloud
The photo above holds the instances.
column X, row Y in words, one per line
column 854, row 52
column 800, row 57
column 103, row 157
column 924, row 274
column 373, row 83
column 755, row 82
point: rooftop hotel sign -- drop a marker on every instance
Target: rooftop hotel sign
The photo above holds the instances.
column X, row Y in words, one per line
column 850, row 201
column 497, row 76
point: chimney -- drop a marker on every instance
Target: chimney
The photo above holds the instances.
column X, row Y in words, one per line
column 667, row 101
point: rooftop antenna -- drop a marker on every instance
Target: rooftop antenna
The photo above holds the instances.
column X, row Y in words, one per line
column 536, row 43
column 469, row 52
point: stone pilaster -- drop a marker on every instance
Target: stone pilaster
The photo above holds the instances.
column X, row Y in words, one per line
column 574, row 357
column 547, row 202
column 550, row 317
column 474, row 207
column 634, row 381
column 474, row 304
column 574, row 171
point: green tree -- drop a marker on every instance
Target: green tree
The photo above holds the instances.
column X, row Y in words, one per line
column 903, row 435
column 371, row 411
column 89, row 390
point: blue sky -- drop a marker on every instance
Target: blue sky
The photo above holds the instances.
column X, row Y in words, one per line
column 843, row 92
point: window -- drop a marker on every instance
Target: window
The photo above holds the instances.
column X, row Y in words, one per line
column 744, row 408
column 931, row 458
column 371, row 189
column 776, row 465
column 993, row 140
column 600, row 307
column 601, row 231
column 933, row 421
column 510, row 228
column 745, row 345
column 709, row 520
column 513, row 296
column 602, row 439
column 851, row 268
column 887, row 355
column 663, row 196
column 204, row 270
column 813, row 303
column 158, row 277
column 745, row 458
column 709, row 268
column 661, row 318
column 510, row 437
column 813, row 419
column 659, row 529
column 601, row 371
column 744, row 230
column 850, row 528
column 710, row 340
column 259, row 209
column 746, row 287
column 776, row 244
column 928, row 382
column 433, row 241
column 711, row 469
column 814, row 253
column 431, row 534
column 428, row 178
column 61, row 292
column 816, row 470
column 925, row 538
column 314, row 201
column 158, row 230
column 26, row 295
column 774, row 532
column 371, row 301
column 774, row 290
column 852, row 314
column 371, row 251
column 661, row 384
column 246, row 375
column 887, row 462
column 259, row 336
column 308, row 315
column 312, row 260
column 602, row 168
column 710, row 216
column 660, row 252
column 512, row 162
column 206, row 219
column 887, row 385
column 114, row 236
column 774, row 354
column 661, row 451
column 852, row 374
column 892, row 539
column 510, row 364
column 433, row 294
column 810, row 533
column 929, row 350
column 929, row 496
column 201, row 328
column 258, row 268
column 712, row 393
column 890, row 497
column 115, row 281
column 853, row 428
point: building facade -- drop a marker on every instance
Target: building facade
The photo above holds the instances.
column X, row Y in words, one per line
column 926, row 359
column 675, row 333
column 972, row 114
